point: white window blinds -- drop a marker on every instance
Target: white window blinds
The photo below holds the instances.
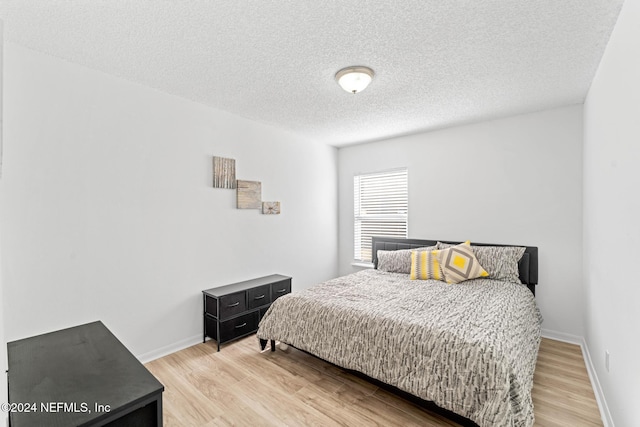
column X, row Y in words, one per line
column 380, row 207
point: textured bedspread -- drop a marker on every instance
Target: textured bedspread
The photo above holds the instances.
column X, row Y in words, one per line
column 470, row 348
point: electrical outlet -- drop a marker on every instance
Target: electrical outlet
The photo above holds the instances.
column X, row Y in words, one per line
column 606, row 359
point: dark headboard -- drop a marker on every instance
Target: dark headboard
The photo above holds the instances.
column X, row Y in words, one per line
column 528, row 264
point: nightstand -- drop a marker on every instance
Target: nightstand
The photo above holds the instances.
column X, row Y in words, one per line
column 234, row 311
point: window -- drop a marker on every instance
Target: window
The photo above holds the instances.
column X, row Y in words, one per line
column 380, row 207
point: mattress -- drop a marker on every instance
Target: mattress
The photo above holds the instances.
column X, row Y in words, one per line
column 470, row 347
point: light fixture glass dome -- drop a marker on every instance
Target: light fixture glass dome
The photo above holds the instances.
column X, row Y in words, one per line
column 354, row 79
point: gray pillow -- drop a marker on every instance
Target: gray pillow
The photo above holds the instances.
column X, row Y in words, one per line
column 501, row 262
column 398, row 261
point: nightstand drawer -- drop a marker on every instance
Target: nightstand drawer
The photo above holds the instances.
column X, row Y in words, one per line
column 211, row 306
column 241, row 325
column 258, row 296
column 280, row 288
column 210, row 327
column 232, row 304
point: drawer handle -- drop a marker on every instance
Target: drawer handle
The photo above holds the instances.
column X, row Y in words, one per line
column 259, row 297
column 241, row 326
column 281, row 291
column 235, row 304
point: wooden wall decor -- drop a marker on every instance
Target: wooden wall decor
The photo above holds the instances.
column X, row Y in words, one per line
column 224, row 172
column 271, row 208
column 249, row 194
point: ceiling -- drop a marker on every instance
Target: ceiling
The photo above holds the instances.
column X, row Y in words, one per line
column 437, row 63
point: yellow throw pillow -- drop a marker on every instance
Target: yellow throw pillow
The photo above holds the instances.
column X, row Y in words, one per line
column 426, row 265
column 459, row 263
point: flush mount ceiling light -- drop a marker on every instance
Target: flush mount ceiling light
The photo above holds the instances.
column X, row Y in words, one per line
column 354, row 79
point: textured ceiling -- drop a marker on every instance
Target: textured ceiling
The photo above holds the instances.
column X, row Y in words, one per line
column 437, row 63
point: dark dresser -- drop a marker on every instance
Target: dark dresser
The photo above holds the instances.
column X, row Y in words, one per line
column 80, row 376
column 234, row 311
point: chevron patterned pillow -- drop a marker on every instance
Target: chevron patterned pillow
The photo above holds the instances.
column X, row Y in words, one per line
column 426, row 265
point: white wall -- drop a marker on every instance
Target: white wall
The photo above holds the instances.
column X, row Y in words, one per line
column 611, row 217
column 109, row 212
column 516, row 180
column 3, row 346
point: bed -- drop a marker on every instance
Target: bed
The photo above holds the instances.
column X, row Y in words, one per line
column 470, row 347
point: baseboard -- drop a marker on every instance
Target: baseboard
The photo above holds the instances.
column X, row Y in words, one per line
column 561, row 336
column 168, row 349
column 605, row 414
column 607, row 420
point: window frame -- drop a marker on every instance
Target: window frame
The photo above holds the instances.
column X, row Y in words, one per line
column 381, row 184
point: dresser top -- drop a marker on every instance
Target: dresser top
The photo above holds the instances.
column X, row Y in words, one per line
column 247, row 284
column 80, row 366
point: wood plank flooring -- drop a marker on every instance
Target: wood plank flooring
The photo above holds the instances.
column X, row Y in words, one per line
column 239, row 386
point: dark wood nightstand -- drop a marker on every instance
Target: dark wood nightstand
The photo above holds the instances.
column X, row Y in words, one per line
column 234, row 311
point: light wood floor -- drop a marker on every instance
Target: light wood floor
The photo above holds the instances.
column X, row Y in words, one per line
column 239, row 386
